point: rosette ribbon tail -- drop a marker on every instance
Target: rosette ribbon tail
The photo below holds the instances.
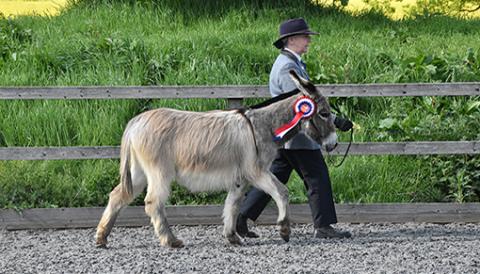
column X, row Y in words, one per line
column 304, row 108
column 281, row 131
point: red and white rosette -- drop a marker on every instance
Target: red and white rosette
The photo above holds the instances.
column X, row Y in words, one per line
column 304, row 108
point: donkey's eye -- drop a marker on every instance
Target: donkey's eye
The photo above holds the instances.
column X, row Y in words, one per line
column 324, row 115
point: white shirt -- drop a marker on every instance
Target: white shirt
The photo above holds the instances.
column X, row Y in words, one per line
column 294, row 54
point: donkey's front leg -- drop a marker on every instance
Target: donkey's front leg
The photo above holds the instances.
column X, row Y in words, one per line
column 230, row 212
column 269, row 184
column 157, row 194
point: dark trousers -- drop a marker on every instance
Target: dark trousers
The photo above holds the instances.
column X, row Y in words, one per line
column 311, row 167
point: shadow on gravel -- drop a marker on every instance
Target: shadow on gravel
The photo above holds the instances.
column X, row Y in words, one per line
column 429, row 232
column 210, row 237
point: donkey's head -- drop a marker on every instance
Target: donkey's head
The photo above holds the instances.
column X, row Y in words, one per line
column 320, row 126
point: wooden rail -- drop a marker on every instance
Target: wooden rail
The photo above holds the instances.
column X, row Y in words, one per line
column 235, row 95
column 164, row 92
column 45, row 218
column 378, row 148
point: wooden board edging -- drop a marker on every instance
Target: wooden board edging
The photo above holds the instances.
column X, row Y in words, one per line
column 55, row 218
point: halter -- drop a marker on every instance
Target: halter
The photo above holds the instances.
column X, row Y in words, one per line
column 304, row 107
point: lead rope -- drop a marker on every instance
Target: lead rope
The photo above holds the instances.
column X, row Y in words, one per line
column 346, row 151
column 351, row 137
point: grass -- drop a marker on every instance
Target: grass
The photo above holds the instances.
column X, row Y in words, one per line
column 224, row 42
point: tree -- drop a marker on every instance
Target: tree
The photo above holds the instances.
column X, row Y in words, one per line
column 445, row 7
column 431, row 7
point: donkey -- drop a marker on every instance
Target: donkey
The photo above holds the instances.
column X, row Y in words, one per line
column 206, row 151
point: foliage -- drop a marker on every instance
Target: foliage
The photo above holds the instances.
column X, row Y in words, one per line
column 444, row 7
column 458, row 178
column 13, row 38
column 427, row 8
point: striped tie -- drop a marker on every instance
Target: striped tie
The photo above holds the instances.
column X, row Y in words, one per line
column 304, row 67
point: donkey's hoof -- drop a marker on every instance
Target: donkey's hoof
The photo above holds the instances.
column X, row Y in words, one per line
column 285, row 233
column 234, row 239
column 286, row 238
column 285, row 230
column 170, row 242
column 176, row 243
column 101, row 243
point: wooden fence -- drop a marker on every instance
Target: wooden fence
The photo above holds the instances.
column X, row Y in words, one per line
column 235, row 95
column 45, row 218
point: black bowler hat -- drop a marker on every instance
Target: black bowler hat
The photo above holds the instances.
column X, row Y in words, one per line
column 292, row 27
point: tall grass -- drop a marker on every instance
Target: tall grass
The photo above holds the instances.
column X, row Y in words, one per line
column 229, row 42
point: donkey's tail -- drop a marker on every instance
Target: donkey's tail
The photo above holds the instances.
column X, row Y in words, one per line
column 125, row 173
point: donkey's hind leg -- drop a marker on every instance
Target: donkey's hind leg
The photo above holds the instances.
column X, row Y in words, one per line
column 269, row 184
column 119, row 198
column 158, row 191
column 230, row 212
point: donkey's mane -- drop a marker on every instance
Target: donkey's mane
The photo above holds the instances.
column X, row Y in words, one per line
column 274, row 99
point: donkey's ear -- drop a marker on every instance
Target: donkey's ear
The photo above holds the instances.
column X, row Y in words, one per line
column 302, row 84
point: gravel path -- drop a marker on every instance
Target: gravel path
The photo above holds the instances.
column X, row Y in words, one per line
column 374, row 248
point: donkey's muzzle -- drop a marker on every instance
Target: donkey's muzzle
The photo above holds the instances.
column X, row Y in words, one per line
column 330, row 143
column 331, row 147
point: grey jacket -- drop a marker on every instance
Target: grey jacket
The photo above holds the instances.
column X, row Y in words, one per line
column 280, row 82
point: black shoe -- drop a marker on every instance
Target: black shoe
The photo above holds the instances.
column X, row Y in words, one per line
column 329, row 232
column 242, row 228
